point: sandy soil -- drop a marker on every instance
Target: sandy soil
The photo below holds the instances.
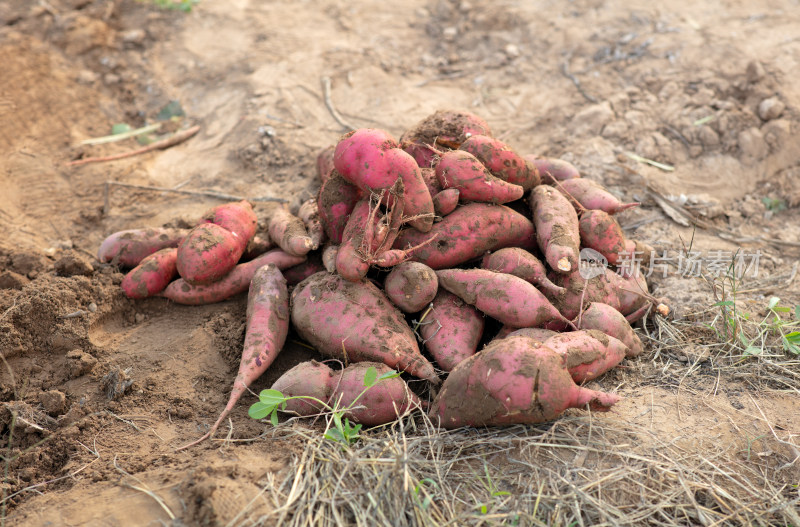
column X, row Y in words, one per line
column 706, row 87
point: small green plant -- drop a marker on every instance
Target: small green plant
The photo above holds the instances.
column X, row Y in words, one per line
column 340, row 429
column 774, row 204
column 483, row 508
column 173, row 5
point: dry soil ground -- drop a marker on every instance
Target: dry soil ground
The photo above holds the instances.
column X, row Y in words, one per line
column 704, row 435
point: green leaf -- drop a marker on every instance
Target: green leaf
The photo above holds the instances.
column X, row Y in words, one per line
column 270, row 396
column 172, row 109
column 274, row 417
column 120, row 128
column 389, row 375
column 723, row 303
column 782, row 309
column 752, row 350
column 334, row 435
column 744, row 340
column 501, row 493
column 797, row 312
column 370, row 377
column 773, row 301
column 793, row 337
column 484, row 509
column 260, row 410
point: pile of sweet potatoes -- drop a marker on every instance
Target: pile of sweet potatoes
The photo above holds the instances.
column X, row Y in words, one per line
column 443, row 253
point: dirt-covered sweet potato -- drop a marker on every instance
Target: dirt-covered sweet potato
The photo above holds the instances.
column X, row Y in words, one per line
column 451, row 330
column 467, row 233
column 610, row 321
column 540, row 334
column 590, row 353
column 591, row 195
column 336, row 200
column 152, row 275
column 289, row 232
column 557, row 231
column 502, row 161
column 235, row 282
column 443, row 129
column 329, row 254
column 552, row 170
column 601, row 232
column 297, row 273
column 308, row 379
column 309, row 214
column 381, row 403
column 446, row 201
column 237, row 217
column 521, row 263
column 411, row 286
column 128, row 248
column 461, row 170
column 504, row 297
column 208, row 253
column 513, row 380
column 355, row 322
column 580, row 292
column 352, row 259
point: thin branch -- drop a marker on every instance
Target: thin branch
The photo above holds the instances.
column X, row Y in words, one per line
column 326, row 94
column 163, row 144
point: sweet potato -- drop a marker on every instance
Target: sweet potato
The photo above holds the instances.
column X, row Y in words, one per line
column 267, row 327
column 521, row 263
column 502, row 161
column 590, row 353
column 411, row 286
column 610, row 321
column 152, row 275
column 381, row 403
column 351, row 258
column 128, row 248
column 417, row 201
column 467, row 233
column 336, row 200
column 505, row 297
column 361, row 157
column 431, row 181
column 308, row 379
column 557, row 230
column 445, row 128
column 257, row 246
column 539, row 334
column 355, row 322
column 289, row 232
column 601, row 232
column 451, row 330
column 552, row 170
column 329, row 254
column 208, row 253
column 237, row 217
column 461, row 170
column 325, row 163
column 580, row 292
column 513, row 380
column 297, row 273
column 309, row 214
column 235, row 282
column 591, row 195
column 445, row 201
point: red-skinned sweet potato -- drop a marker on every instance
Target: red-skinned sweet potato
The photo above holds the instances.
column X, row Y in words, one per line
column 451, row 330
column 361, row 158
column 580, row 292
column 336, row 200
column 552, row 170
column 381, row 403
column 260, row 244
column 505, row 297
column 351, row 258
column 235, row 282
column 431, row 181
column 152, row 275
column 289, row 232
column 411, row 286
column 208, row 253
column 467, row 233
column 237, row 217
column 267, row 327
column 461, row 170
column 513, row 380
column 307, row 379
column 557, row 230
column 591, row 195
column 297, row 273
column 610, row 321
column 590, row 353
column 601, row 232
column 445, row 202
column 521, row 263
column 502, row 161
column 355, row 322
column 538, row 334
column 128, row 248
column 309, row 214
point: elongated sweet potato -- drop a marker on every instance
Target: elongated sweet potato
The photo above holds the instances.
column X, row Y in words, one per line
column 601, row 232
column 591, row 195
column 128, row 248
column 445, row 201
column 451, row 330
column 467, row 233
column 308, row 379
column 513, row 380
column 381, row 403
column 411, row 286
column 590, row 353
column 610, row 321
column 309, row 214
column 552, row 170
column 352, row 258
column 289, row 232
column 152, row 275
column 235, row 282
column 461, row 170
column 444, row 129
column 521, row 263
column 505, row 297
column 502, row 161
column 267, row 327
column 355, row 322
column 208, row 253
column 556, row 228
column 336, row 200
column 237, row 217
